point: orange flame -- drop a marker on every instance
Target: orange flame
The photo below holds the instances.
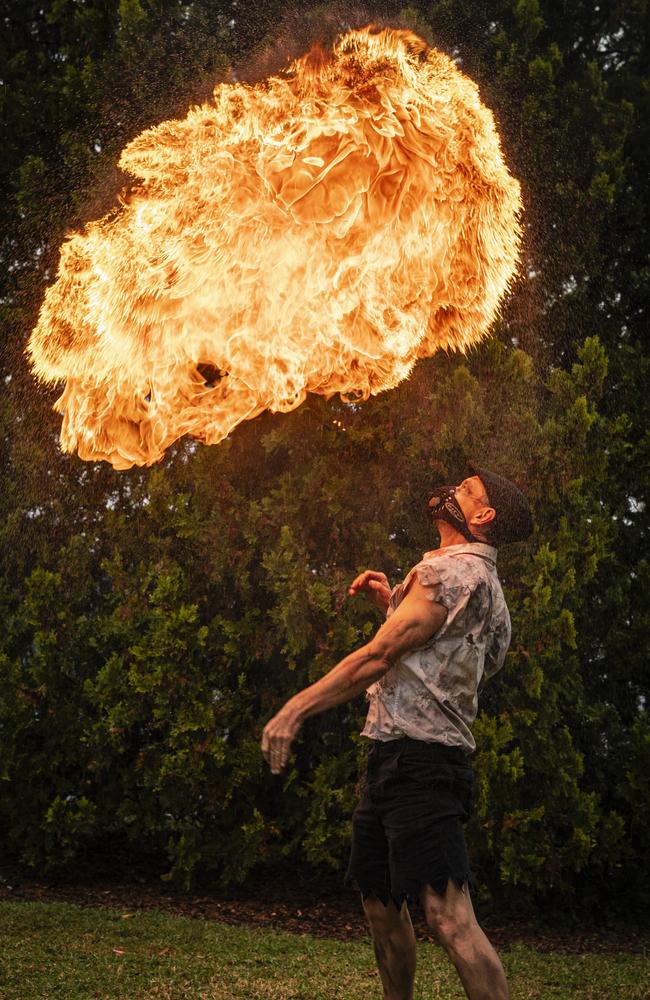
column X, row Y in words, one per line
column 318, row 232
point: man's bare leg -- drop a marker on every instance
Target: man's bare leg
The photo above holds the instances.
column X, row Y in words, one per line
column 394, row 943
column 451, row 917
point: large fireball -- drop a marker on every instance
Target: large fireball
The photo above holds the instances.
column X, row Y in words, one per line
column 318, row 232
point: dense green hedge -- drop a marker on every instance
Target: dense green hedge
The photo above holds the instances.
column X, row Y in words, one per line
column 153, row 620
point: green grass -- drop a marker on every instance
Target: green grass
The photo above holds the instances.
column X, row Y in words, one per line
column 63, row 951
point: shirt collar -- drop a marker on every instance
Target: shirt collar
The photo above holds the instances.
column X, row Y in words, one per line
column 487, row 552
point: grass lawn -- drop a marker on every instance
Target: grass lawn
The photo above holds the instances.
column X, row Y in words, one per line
column 64, row 951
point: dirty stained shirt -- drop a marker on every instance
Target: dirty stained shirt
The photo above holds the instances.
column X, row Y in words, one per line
column 431, row 693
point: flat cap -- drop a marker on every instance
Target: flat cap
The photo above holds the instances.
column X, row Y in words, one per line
column 514, row 521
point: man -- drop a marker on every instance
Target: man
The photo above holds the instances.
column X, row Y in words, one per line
column 447, row 631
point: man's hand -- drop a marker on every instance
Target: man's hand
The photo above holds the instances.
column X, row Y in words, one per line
column 375, row 586
column 278, row 736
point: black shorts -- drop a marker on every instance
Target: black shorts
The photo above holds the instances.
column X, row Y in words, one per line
column 407, row 828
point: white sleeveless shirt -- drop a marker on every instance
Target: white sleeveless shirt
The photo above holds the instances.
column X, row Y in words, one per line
column 431, row 693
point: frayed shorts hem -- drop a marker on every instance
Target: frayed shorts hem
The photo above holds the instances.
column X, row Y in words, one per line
column 413, row 892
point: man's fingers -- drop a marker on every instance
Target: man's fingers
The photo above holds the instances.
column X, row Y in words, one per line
column 369, row 578
column 279, row 757
column 277, row 763
column 276, row 748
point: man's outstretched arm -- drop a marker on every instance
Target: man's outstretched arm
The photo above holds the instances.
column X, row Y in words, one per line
column 414, row 622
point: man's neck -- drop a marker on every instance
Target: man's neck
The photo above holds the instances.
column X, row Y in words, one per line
column 449, row 536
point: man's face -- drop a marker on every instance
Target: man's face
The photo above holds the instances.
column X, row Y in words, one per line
column 471, row 497
column 465, row 507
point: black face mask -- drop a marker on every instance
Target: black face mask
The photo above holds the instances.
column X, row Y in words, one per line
column 443, row 506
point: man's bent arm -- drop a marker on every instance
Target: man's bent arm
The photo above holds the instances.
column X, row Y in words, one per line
column 416, row 620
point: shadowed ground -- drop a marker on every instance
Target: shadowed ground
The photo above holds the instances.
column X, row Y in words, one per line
column 318, row 909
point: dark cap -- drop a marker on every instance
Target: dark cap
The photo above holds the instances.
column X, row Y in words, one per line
column 514, row 521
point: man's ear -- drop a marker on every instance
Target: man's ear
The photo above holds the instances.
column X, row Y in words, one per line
column 483, row 517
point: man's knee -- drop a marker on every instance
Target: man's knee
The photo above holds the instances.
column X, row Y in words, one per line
column 450, row 917
column 384, row 918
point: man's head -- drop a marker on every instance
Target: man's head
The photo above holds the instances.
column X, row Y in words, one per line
column 475, row 505
column 485, row 507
